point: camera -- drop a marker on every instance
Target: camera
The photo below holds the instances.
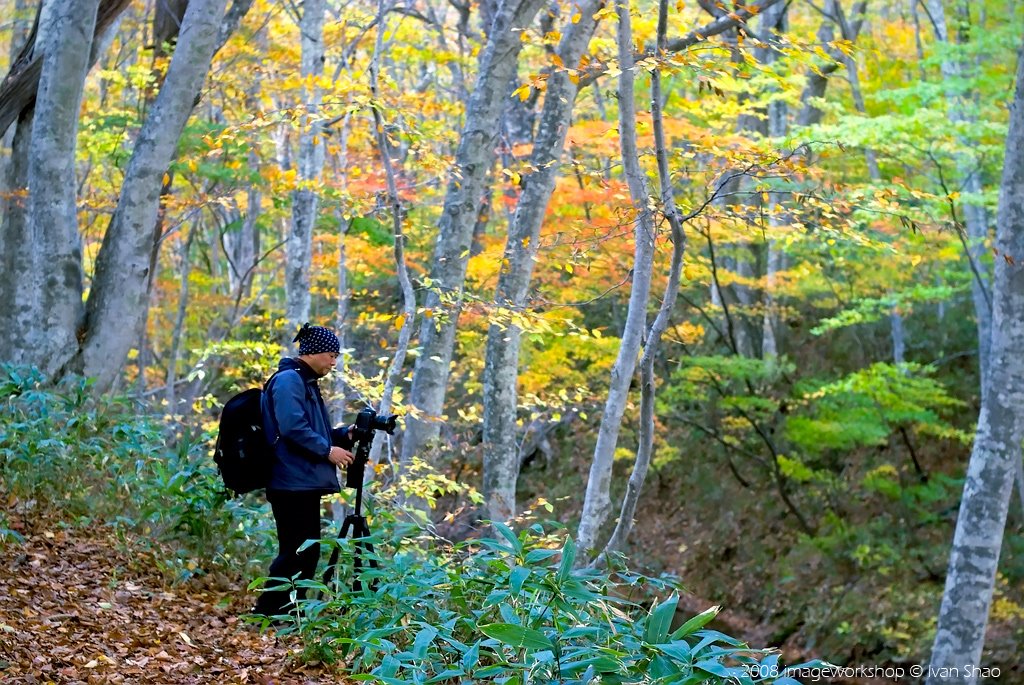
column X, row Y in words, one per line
column 367, row 423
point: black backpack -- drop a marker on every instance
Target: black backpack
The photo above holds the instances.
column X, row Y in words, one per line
column 243, row 453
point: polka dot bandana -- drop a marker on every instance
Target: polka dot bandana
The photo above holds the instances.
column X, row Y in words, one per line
column 317, row 339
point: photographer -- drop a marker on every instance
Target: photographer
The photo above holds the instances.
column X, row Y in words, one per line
column 307, row 453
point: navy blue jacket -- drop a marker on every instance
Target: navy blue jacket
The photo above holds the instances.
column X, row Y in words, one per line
column 294, row 412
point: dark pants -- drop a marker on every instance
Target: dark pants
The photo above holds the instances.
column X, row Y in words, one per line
column 297, row 515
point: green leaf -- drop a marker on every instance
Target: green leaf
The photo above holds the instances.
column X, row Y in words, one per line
column 714, row 668
column 507, row 533
column 660, row 620
column 695, row 623
column 678, row 650
column 471, row 657
column 537, row 555
column 568, row 559
column 423, row 640
column 517, row 577
column 517, row 636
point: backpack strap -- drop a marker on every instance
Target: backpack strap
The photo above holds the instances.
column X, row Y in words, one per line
column 270, row 403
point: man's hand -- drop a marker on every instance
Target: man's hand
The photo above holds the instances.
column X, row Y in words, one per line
column 340, row 457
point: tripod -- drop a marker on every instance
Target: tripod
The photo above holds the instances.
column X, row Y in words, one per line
column 355, row 523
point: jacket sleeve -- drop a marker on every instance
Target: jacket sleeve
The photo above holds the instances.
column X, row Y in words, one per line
column 289, row 398
column 342, row 437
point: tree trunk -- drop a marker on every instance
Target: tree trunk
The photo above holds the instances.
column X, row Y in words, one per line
column 117, row 302
column 52, row 200
column 21, row 25
column 648, row 382
column 310, row 166
column 18, row 244
column 18, row 89
column 501, row 457
column 408, row 315
column 974, row 558
column 17, row 250
column 179, row 322
column 968, row 171
column 775, row 258
column 475, row 155
column 597, row 502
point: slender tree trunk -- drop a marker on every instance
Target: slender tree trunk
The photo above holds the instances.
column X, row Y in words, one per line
column 52, row 198
column 648, row 382
column 19, row 245
column 974, row 558
column 975, row 222
column 501, row 458
column 243, row 246
column 474, row 157
column 899, row 338
column 117, row 301
column 597, row 502
column 408, row 315
column 179, row 322
column 341, row 387
column 21, row 24
column 310, row 165
column 775, row 258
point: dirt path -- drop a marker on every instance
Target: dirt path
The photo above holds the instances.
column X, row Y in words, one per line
column 75, row 609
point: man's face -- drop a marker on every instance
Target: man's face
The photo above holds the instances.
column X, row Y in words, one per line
column 323, row 363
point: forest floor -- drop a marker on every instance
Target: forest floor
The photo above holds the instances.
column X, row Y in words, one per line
column 76, row 607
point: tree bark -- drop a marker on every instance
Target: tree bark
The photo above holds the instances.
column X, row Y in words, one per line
column 179, row 321
column 18, row 89
column 408, row 315
column 18, row 244
column 968, row 169
column 310, row 166
column 974, row 558
column 17, row 250
column 475, row 155
column 597, row 501
column 56, row 279
column 20, row 29
column 775, row 259
column 648, row 382
column 117, row 300
column 501, row 457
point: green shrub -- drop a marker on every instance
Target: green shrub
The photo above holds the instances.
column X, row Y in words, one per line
column 66, row 454
column 509, row 610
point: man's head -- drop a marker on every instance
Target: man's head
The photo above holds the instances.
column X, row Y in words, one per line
column 318, row 348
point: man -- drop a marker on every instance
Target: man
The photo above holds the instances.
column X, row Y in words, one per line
column 307, row 453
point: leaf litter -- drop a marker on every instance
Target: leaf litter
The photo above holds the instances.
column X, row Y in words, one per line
column 76, row 608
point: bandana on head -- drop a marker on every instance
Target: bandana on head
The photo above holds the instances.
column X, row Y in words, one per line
column 317, row 339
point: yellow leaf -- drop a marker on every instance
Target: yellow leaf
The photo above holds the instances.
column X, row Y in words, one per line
column 399, row 321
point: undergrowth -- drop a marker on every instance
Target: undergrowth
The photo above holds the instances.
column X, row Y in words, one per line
column 512, row 609
column 67, row 455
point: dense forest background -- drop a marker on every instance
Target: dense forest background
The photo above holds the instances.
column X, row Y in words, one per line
column 710, row 285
